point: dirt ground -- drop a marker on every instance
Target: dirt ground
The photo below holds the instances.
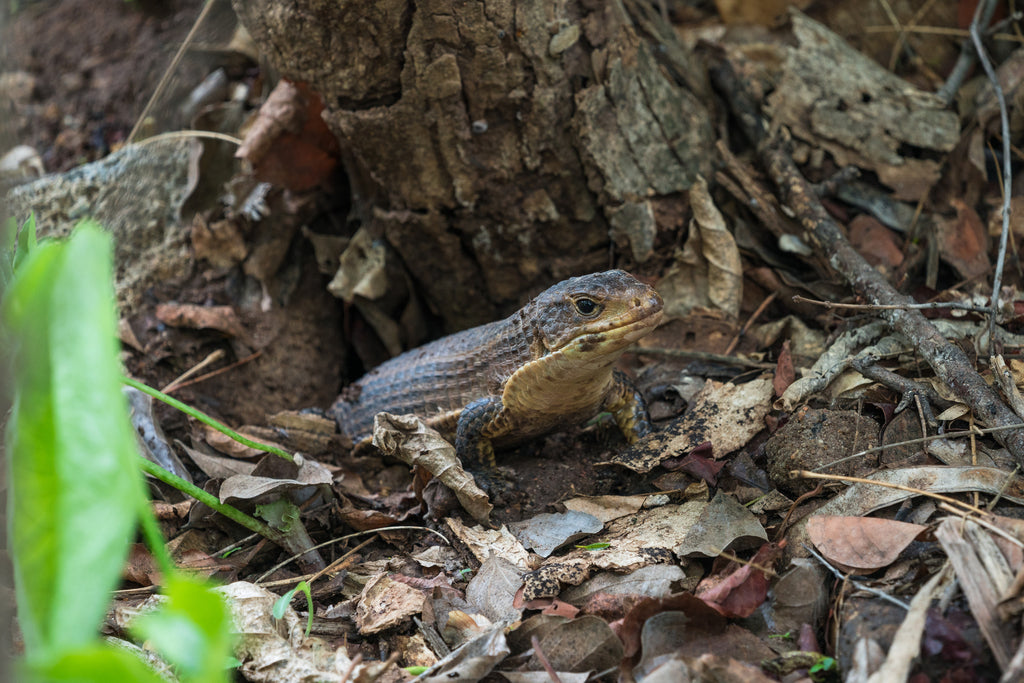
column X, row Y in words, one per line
column 80, row 74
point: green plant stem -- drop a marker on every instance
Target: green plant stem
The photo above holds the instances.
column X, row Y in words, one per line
column 155, row 539
column 206, row 419
column 233, row 513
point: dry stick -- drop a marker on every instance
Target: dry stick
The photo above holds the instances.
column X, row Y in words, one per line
column 176, row 384
column 947, row 360
column 955, row 305
column 1004, row 124
column 750, row 321
column 705, row 356
column 963, row 507
column 543, row 659
column 166, row 79
column 198, row 367
column 856, row 581
column 966, row 59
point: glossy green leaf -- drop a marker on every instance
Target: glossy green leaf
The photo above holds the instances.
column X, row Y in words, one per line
column 74, row 484
column 192, row 630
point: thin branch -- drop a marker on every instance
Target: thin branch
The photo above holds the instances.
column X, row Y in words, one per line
column 966, row 60
column 797, row 299
column 166, row 79
column 949, row 362
column 1004, row 123
column 855, row 580
column 963, row 507
column 750, row 321
column 705, row 356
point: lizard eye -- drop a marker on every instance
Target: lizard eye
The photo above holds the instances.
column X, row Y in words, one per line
column 586, row 307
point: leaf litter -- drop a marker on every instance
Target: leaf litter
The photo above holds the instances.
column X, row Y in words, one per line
column 687, row 555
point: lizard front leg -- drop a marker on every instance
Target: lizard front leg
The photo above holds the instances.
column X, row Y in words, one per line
column 474, row 431
column 627, row 406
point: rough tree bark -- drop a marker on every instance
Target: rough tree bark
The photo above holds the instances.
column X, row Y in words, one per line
column 499, row 143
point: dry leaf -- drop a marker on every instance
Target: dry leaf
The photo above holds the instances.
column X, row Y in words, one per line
column 861, row 544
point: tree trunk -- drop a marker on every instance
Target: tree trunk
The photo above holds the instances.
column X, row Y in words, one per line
column 499, row 144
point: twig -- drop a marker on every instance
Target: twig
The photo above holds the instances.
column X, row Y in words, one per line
column 966, row 59
column 750, row 321
column 981, row 521
column 963, row 507
column 177, row 381
column 166, row 78
column 920, row 440
column 955, row 305
column 1004, row 124
column 942, row 31
column 353, row 663
column 854, row 580
column 543, row 659
column 347, row 537
column 948, row 361
column 868, row 366
column 181, row 383
column 704, row 356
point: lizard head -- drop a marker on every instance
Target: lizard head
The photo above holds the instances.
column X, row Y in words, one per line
column 598, row 314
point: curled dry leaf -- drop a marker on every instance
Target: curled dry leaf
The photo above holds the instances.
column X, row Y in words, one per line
column 472, row 661
column 288, row 143
column 274, row 650
column 741, row 592
column 408, row 439
column 244, row 487
column 707, row 272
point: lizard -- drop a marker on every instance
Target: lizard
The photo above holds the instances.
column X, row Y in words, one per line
column 503, row 383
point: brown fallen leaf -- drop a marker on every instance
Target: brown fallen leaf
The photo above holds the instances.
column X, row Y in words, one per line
column 740, row 593
column 220, row 318
column 963, row 243
column 784, row 371
column 861, row 544
column 406, row 437
column 876, row 243
column 289, row 144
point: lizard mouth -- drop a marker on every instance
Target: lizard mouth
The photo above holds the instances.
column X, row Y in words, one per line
column 618, row 333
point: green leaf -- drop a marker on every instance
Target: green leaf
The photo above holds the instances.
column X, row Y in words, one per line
column 281, row 514
column 281, row 604
column 192, row 630
column 97, row 662
column 74, row 483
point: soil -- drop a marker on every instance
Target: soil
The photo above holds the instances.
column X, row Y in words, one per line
column 92, row 66
column 83, row 98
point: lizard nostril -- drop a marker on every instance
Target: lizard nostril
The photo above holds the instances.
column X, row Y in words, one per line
column 636, row 302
